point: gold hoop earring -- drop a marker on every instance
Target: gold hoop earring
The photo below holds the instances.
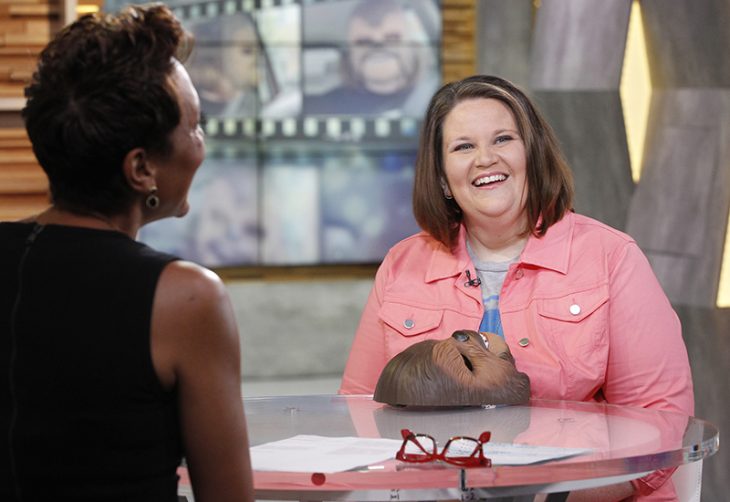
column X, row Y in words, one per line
column 152, row 201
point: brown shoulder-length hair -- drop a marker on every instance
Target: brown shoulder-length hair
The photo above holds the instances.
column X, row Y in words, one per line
column 549, row 179
column 102, row 88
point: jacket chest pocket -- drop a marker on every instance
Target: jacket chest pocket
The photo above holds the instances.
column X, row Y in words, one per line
column 406, row 325
column 575, row 322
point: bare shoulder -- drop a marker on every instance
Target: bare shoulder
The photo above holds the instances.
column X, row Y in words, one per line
column 193, row 325
column 186, row 281
column 186, row 290
column 190, row 296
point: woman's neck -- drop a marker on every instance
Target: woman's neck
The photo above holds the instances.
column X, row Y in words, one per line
column 496, row 244
column 55, row 215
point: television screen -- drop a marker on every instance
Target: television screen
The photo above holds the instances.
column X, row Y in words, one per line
column 313, row 109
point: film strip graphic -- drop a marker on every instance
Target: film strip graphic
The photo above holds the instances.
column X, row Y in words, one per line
column 302, row 141
column 241, row 154
column 332, row 129
column 201, row 10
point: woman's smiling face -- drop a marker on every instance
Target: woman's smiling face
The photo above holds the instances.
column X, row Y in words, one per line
column 485, row 162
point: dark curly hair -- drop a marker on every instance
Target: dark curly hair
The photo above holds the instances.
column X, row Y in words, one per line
column 101, row 89
column 549, row 178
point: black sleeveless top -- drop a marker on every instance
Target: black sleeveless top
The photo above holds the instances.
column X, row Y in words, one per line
column 83, row 415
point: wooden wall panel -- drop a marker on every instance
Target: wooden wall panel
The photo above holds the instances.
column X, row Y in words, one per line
column 458, row 51
column 25, row 28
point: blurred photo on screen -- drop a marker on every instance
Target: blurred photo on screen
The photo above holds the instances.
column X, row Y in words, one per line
column 222, row 228
column 280, row 29
column 370, row 57
column 290, row 213
column 224, row 66
column 366, row 205
column 312, row 110
column 245, row 60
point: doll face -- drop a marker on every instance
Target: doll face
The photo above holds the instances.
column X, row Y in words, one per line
column 465, row 358
column 382, row 58
column 467, row 368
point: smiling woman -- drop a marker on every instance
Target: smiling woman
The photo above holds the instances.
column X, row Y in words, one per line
column 485, row 173
column 575, row 301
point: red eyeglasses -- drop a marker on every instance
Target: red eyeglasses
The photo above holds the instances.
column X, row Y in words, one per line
column 463, row 451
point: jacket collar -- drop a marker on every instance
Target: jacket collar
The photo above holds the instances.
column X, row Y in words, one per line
column 448, row 263
column 551, row 251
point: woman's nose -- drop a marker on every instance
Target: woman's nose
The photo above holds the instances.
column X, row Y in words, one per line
column 486, row 157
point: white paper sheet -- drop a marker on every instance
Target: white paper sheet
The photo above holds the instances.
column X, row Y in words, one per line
column 308, row 453
column 305, row 453
column 523, row 454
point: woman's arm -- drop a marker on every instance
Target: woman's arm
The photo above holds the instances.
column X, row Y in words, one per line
column 367, row 355
column 648, row 365
column 195, row 346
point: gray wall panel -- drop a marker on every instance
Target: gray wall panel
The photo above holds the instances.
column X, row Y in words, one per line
column 670, row 211
column 590, row 128
column 681, row 278
column 678, row 214
column 579, row 44
column 295, row 328
column 705, row 333
column 503, row 34
column 688, row 41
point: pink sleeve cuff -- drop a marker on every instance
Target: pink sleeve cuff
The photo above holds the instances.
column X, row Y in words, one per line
column 651, row 482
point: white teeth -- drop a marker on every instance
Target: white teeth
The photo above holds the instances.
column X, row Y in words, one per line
column 490, row 179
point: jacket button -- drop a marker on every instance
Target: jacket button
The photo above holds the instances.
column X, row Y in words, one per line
column 519, row 273
column 575, row 309
column 409, row 323
column 524, row 342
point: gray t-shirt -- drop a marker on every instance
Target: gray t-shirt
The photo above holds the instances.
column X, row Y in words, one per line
column 491, row 274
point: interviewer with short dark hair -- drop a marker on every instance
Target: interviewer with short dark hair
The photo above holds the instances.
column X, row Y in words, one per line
column 116, row 361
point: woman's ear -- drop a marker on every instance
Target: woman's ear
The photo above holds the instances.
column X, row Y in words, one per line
column 446, row 190
column 140, row 173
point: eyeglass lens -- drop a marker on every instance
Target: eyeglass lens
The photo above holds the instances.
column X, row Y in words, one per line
column 460, row 447
column 420, row 445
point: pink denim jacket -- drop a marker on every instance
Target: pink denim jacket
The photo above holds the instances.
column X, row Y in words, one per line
column 582, row 313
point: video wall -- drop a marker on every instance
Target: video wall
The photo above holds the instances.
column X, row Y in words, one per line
column 313, row 109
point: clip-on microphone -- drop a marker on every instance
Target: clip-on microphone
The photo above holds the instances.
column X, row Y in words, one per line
column 472, row 282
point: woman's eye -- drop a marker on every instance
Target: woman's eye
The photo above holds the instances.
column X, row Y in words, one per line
column 460, row 336
column 462, row 146
column 503, row 138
